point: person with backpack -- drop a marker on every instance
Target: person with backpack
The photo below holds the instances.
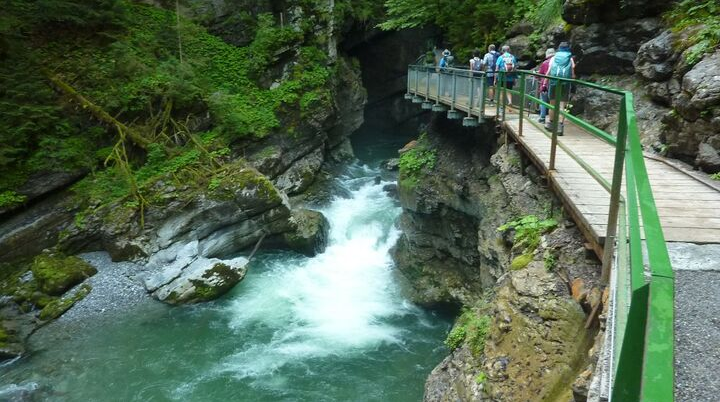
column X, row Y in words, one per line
column 445, row 60
column 543, row 87
column 562, row 65
column 489, row 61
column 506, row 63
column 444, row 64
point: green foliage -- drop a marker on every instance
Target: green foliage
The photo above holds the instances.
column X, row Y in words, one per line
column 715, row 176
column 414, row 161
column 528, row 230
column 704, row 16
column 481, row 378
column 550, row 260
column 471, row 24
column 10, row 198
column 471, row 328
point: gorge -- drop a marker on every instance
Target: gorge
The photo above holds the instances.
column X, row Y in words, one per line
column 215, row 200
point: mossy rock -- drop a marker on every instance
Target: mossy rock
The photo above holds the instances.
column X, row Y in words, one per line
column 521, row 262
column 57, row 307
column 310, row 234
column 55, row 273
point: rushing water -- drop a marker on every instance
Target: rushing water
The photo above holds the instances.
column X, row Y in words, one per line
column 329, row 328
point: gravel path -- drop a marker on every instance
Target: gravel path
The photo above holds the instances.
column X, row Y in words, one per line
column 697, row 323
column 115, row 287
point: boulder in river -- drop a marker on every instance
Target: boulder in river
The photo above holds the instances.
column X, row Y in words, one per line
column 187, row 277
column 55, row 273
column 310, row 232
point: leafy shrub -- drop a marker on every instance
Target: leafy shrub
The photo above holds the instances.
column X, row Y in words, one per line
column 413, row 161
column 471, row 328
column 528, row 230
column 703, row 14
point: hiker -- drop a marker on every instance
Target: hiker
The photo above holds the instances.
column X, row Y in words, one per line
column 562, row 65
column 507, row 63
column 476, row 67
column 544, row 68
column 489, row 61
column 446, row 59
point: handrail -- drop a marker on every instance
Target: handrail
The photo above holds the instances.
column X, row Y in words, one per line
column 642, row 342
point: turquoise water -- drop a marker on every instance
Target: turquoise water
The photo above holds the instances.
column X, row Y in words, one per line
column 330, row 328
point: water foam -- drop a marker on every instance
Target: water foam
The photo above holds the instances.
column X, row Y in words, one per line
column 337, row 303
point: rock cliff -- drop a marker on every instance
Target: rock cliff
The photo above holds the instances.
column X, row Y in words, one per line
column 525, row 302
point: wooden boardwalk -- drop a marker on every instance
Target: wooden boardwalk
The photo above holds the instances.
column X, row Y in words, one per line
column 687, row 204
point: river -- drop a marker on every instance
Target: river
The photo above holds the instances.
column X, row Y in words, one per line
column 334, row 327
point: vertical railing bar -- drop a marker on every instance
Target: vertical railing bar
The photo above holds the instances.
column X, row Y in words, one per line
column 555, row 125
column 471, row 95
column 454, row 90
column 608, row 246
column 427, row 85
column 522, row 104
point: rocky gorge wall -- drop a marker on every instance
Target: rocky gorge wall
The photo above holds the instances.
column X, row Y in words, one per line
column 184, row 232
column 522, row 334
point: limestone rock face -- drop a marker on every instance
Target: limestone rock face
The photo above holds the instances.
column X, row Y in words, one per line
column 702, row 86
column 309, row 235
column 656, row 58
column 184, row 276
column 579, row 12
column 611, row 48
column 301, row 174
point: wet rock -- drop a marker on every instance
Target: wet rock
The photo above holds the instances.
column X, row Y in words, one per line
column 520, row 47
column 43, row 183
column 656, row 58
column 391, row 189
column 708, row 158
column 184, row 276
column 580, row 12
column 578, row 290
column 611, row 48
column 301, row 174
column 702, row 87
column 391, row 164
column 55, row 273
column 309, row 234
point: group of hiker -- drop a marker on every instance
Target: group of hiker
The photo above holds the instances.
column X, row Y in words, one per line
column 501, row 65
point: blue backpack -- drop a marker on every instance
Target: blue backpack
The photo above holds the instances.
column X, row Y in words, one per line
column 561, row 65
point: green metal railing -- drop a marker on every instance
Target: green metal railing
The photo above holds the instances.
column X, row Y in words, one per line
column 641, row 340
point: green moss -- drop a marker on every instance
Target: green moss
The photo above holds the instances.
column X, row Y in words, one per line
column 229, row 182
column 55, row 274
column 471, row 328
column 520, row 262
column 414, row 162
column 704, row 17
column 57, row 307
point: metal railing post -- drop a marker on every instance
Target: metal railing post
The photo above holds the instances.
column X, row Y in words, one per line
column 555, row 125
column 439, row 87
column 471, row 94
column 427, row 84
column 497, row 83
column 504, row 97
column 522, row 104
column 454, row 89
column 482, row 95
column 417, row 81
column 608, row 246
